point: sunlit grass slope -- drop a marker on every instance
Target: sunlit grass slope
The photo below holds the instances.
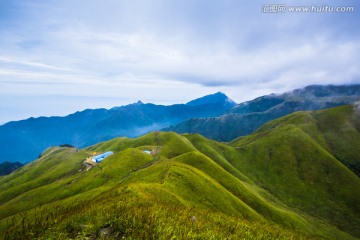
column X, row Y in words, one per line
column 300, row 159
column 289, row 180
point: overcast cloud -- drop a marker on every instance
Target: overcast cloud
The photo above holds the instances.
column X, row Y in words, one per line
column 59, row 56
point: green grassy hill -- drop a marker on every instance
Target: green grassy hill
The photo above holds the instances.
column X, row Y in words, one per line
column 295, row 178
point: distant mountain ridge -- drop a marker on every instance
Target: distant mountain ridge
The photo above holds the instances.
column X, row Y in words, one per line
column 248, row 116
column 24, row 140
column 9, row 167
column 214, row 116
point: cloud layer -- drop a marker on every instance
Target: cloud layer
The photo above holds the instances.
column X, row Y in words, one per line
column 166, row 51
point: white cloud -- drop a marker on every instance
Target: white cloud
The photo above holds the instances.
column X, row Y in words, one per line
column 10, row 60
column 174, row 52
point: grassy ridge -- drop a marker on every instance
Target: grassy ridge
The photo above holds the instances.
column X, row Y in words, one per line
column 285, row 181
column 303, row 172
column 147, row 219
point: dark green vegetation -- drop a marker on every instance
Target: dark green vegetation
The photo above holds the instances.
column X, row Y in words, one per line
column 246, row 117
column 88, row 127
column 294, row 178
column 8, row 167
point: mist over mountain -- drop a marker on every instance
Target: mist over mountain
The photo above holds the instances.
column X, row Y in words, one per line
column 246, row 117
column 24, row 140
column 214, row 116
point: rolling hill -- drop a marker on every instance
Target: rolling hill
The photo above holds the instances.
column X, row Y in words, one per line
column 294, row 178
column 24, row 140
column 246, row 117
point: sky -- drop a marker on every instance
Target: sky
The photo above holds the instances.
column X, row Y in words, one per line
column 61, row 56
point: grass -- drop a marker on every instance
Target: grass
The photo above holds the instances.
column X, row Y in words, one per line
column 285, row 181
column 138, row 218
column 292, row 164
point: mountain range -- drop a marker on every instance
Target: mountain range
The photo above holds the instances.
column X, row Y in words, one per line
column 24, row 140
column 215, row 116
column 295, row 177
column 246, row 117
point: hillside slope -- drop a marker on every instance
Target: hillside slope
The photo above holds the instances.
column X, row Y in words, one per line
column 302, row 159
column 246, row 117
column 288, row 180
column 24, row 140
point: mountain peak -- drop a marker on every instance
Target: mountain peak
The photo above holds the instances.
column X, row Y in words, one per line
column 219, row 98
column 138, row 103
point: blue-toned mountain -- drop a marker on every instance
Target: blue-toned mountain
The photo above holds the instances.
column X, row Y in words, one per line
column 24, row 140
column 9, row 167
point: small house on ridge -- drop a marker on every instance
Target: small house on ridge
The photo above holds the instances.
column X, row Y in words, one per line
column 99, row 158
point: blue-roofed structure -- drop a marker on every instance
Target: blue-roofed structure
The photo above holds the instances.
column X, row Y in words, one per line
column 101, row 157
column 147, row 151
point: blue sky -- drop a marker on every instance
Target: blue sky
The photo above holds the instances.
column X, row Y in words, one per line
column 60, row 56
